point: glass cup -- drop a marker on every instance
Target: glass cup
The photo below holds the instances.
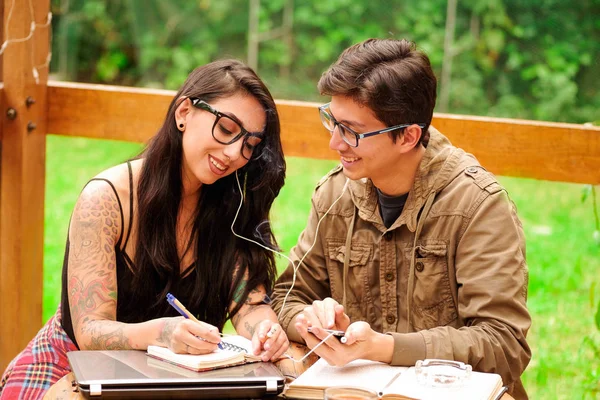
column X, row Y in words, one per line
column 349, row 393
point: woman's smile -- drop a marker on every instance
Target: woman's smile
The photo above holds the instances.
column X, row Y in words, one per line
column 217, row 166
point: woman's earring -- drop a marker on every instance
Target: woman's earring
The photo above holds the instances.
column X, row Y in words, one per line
column 180, row 127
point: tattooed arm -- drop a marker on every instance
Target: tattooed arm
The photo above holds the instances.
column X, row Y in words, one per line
column 257, row 321
column 92, row 285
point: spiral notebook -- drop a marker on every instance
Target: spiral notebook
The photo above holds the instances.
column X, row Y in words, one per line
column 235, row 350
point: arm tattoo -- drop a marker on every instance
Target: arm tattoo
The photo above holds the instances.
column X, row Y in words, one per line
column 250, row 328
column 112, row 340
column 244, row 312
column 239, row 291
column 255, row 296
column 92, row 283
column 167, row 331
column 90, row 299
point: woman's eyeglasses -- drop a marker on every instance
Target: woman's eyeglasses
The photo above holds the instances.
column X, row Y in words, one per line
column 227, row 130
column 347, row 134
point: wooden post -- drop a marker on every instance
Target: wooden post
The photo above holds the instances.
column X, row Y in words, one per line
column 288, row 38
column 253, row 40
column 444, row 99
column 22, row 172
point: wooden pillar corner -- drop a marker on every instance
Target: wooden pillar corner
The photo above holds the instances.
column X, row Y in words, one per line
column 24, row 74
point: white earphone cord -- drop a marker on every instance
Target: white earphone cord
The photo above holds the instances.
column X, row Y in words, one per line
column 296, row 266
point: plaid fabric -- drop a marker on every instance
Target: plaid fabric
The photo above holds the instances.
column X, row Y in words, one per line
column 43, row 362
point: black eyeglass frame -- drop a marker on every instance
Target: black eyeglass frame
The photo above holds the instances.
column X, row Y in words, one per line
column 323, row 110
column 201, row 104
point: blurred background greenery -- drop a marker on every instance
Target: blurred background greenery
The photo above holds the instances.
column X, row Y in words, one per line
column 508, row 58
column 534, row 59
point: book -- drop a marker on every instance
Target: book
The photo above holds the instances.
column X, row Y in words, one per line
column 239, row 371
column 390, row 382
column 236, row 350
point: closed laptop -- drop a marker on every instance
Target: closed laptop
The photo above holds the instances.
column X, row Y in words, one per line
column 131, row 374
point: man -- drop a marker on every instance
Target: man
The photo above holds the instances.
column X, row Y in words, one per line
column 419, row 252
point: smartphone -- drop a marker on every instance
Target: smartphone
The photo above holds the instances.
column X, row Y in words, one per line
column 337, row 334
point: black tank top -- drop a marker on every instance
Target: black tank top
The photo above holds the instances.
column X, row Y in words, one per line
column 129, row 309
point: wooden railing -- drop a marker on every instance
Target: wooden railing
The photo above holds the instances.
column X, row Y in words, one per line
column 531, row 149
column 539, row 150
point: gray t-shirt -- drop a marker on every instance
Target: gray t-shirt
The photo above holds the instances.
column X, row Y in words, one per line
column 390, row 207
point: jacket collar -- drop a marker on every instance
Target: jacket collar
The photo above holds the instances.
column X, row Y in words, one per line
column 436, row 170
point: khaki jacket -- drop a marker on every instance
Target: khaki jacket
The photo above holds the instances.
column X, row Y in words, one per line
column 447, row 280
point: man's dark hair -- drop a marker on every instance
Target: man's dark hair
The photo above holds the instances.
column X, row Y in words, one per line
column 389, row 76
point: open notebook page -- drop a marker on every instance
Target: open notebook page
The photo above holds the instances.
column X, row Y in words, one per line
column 218, row 357
column 364, row 373
column 235, row 349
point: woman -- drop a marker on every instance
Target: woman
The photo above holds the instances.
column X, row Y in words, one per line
column 161, row 223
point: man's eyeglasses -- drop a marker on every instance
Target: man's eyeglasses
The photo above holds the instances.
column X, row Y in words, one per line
column 227, row 129
column 347, row 134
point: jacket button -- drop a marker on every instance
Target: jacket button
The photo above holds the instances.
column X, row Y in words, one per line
column 389, row 277
column 419, row 266
column 472, row 170
column 390, row 319
column 388, row 236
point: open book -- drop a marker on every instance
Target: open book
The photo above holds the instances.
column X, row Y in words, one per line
column 236, row 350
column 390, row 382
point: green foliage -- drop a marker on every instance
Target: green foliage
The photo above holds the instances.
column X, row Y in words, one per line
column 597, row 317
column 591, row 348
column 533, row 59
column 591, row 342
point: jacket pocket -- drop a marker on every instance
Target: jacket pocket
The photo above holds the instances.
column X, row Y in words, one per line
column 432, row 302
column 357, row 281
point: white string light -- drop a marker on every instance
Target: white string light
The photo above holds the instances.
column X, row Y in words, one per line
column 36, row 68
column 32, row 27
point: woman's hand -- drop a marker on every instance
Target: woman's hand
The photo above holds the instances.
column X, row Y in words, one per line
column 185, row 336
column 270, row 339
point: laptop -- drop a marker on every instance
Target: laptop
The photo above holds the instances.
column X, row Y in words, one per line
column 131, row 374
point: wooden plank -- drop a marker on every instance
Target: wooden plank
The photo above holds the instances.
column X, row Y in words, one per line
column 22, row 178
column 106, row 112
column 532, row 149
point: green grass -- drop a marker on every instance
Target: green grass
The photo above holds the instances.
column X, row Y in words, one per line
column 563, row 259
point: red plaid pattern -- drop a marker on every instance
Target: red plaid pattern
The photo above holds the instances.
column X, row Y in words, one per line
column 43, row 362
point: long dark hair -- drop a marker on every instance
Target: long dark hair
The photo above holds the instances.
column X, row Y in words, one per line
column 217, row 252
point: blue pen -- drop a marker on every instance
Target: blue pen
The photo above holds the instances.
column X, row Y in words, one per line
column 176, row 304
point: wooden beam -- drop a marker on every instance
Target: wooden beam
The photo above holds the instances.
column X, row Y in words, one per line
column 106, row 112
column 531, row 149
column 528, row 149
column 22, row 172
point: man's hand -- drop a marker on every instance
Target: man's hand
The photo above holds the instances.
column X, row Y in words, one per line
column 327, row 313
column 270, row 339
column 361, row 342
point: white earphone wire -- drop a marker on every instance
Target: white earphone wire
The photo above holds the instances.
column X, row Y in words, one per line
column 296, row 266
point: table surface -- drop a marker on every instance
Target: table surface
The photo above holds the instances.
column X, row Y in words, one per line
column 65, row 388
